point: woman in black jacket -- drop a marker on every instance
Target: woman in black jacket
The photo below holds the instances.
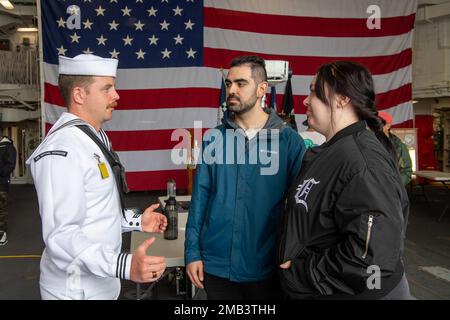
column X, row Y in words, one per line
column 346, row 215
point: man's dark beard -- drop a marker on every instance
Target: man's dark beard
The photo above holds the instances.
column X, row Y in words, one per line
column 241, row 108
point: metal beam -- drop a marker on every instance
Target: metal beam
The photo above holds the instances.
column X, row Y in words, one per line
column 19, row 11
column 428, row 13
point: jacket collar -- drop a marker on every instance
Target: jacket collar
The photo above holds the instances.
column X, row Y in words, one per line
column 347, row 131
column 274, row 121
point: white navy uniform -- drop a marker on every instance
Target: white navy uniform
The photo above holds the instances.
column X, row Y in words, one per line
column 81, row 214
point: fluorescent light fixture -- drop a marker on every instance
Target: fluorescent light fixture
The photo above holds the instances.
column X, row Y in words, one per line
column 27, row 29
column 7, row 4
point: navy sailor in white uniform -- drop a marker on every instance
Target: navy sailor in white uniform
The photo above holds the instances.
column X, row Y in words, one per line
column 79, row 200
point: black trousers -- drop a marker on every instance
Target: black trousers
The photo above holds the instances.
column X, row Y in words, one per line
column 3, row 212
column 223, row 289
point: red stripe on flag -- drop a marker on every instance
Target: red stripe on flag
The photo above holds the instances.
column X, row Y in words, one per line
column 384, row 100
column 168, row 98
column 152, row 98
column 48, row 126
column 394, row 97
column 140, row 140
column 220, row 58
column 298, row 104
column 156, row 180
column 53, row 95
column 305, row 26
column 144, row 140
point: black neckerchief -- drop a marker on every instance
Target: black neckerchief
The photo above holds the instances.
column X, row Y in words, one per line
column 114, row 162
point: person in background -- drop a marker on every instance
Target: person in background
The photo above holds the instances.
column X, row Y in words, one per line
column 346, row 215
column 404, row 162
column 236, row 207
column 79, row 180
column 7, row 164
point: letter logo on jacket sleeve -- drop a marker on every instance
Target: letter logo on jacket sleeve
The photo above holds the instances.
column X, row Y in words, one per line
column 303, row 191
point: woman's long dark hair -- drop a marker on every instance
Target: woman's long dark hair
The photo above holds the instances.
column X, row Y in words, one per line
column 354, row 81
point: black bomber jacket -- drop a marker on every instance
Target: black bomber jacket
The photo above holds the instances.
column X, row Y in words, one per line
column 345, row 221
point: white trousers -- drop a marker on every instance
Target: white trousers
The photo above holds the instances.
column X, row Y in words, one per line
column 48, row 293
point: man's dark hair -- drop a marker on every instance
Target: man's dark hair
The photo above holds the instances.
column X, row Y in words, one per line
column 257, row 65
column 68, row 82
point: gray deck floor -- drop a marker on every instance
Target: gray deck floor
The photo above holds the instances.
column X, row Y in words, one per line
column 427, row 246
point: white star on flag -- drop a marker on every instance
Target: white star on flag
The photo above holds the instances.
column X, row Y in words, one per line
column 113, row 25
column 189, row 24
column 114, row 54
column 139, row 25
column 73, row 10
column 87, row 24
column 166, row 53
column 75, row 38
column 101, row 40
column 88, row 51
column 191, row 53
column 100, row 11
column 165, row 25
column 61, row 23
column 178, row 39
column 153, row 40
column 127, row 40
column 177, row 11
column 111, row 1
column 61, row 51
column 126, row 11
column 140, row 54
column 152, row 12
column 139, row 1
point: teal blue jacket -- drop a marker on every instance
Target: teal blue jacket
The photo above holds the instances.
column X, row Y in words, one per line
column 236, row 209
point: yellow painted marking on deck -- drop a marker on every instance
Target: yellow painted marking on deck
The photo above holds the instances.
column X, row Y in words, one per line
column 20, row 257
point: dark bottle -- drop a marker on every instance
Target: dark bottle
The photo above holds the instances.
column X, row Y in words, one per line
column 171, row 212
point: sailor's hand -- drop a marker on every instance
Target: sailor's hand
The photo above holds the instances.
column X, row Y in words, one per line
column 153, row 221
column 146, row 268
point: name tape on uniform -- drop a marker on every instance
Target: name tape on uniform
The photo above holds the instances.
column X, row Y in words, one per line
column 50, row 153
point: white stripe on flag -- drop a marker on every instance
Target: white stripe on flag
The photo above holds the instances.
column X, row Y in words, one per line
column 306, row 46
column 383, row 82
column 203, row 77
column 401, row 113
column 154, row 160
column 318, row 8
column 154, row 78
column 154, row 119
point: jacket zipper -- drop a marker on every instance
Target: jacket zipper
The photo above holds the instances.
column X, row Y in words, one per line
column 369, row 229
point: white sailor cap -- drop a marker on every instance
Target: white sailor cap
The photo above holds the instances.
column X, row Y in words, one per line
column 88, row 65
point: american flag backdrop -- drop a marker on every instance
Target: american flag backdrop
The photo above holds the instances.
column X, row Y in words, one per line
column 171, row 53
